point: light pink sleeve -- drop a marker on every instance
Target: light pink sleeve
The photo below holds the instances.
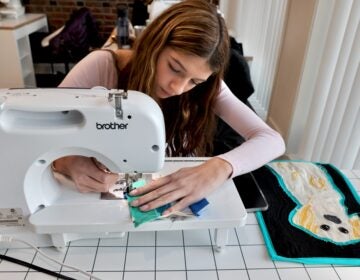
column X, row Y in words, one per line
column 262, row 144
column 96, row 69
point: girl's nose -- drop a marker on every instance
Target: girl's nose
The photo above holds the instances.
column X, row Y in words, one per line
column 178, row 86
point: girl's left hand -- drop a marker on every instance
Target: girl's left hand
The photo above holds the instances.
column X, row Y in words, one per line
column 185, row 186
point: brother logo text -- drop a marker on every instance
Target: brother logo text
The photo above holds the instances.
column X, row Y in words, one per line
column 111, row 126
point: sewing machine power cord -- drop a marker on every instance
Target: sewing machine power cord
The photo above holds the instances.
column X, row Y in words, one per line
column 35, row 267
column 38, row 268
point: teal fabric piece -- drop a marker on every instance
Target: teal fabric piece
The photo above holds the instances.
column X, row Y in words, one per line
column 139, row 217
column 138, row 184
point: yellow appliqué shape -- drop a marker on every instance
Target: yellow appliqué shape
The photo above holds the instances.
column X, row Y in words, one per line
column 317, row 182
column 355, row 223
column 305, row 217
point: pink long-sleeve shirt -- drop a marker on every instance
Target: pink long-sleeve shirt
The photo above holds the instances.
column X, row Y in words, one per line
column 262, row 144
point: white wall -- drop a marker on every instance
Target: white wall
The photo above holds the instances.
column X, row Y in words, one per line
column 258, row 25
column 326, row 121
column 322, row 113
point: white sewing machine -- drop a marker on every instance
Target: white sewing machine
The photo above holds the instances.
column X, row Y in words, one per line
column 124, row 131
column 12, row 9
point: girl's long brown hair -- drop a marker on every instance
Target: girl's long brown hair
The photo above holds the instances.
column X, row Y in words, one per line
column 193, row 27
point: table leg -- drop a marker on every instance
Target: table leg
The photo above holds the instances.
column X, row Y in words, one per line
column 221, row 238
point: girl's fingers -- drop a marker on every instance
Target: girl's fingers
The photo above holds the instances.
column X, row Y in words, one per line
column 160, row 194
column 151, row 186
column 95, row 182
column 178, row 206
column 163, row 200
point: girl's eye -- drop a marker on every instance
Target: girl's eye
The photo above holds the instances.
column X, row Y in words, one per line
column 173, row 68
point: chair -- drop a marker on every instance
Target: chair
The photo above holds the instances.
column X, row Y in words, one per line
column 237, row 77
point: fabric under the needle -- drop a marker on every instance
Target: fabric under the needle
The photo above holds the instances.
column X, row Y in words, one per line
column 139, row 217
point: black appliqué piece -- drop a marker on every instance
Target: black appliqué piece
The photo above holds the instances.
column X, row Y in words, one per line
column 325, row 227
column 343, row 230
column 332, row 218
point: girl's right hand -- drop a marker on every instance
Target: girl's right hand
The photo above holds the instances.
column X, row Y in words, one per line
column 87, row 173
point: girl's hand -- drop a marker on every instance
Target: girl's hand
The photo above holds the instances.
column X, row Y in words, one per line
column 88, row 174
column 186, row 186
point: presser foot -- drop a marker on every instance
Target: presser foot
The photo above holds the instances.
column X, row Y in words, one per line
column 125, row 185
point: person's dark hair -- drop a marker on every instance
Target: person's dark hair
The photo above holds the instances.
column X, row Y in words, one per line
column 194, row 27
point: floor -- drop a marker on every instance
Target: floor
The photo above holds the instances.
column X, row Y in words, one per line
column 174, row 255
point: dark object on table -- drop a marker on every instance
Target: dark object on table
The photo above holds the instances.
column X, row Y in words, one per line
column 250, row 193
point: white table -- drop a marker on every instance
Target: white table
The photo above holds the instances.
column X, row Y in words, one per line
column 16, row 64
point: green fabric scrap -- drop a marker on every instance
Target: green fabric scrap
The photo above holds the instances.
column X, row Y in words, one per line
column 139, row 217
column 138, row 184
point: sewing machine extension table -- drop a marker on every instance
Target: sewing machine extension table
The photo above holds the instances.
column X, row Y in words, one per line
column 225, row 211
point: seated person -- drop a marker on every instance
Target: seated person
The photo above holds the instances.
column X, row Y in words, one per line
column 179, row 60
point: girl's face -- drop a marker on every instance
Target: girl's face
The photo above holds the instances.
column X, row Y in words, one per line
column 178, row 72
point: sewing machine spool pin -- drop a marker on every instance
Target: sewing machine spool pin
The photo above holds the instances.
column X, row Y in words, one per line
column 118, row 96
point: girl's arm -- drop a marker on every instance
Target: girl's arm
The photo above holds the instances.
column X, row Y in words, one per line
column 191, row 184
column 262, row 143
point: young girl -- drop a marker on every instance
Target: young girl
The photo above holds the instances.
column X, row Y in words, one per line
column 178, row 60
